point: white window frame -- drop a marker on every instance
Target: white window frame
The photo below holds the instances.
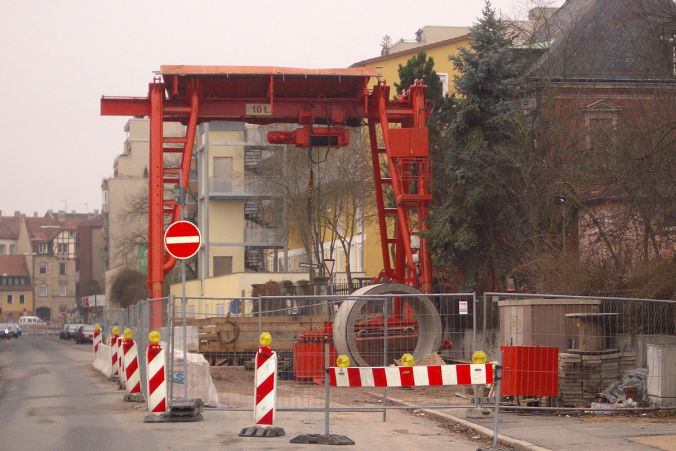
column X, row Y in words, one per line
column 42, row 290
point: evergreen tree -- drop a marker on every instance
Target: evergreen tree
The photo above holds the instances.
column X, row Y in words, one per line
column 473, row 220
column 416, row 68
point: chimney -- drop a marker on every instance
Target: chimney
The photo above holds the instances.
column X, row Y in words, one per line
column 61, row 215
column 17, row 214
column 35, row 214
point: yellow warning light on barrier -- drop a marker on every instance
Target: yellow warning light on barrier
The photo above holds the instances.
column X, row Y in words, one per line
column 97, row 327
column 479, row 357
column 265, row 339
column 407, row 360
column 116, row 330
column 154, row 337
column 343, row 361
column 128, row 334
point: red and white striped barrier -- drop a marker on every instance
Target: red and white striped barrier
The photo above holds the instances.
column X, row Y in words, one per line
column 411, row 376
column 131, row 369
column 265, row 382
column 113, row 355
column 120, row 362
column 97, row 339
column 157, row 376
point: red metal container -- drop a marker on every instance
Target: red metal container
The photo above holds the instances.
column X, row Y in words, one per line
column 309, row 357
column 530, row 371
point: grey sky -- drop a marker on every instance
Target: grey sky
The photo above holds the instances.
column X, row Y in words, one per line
column 57, row 58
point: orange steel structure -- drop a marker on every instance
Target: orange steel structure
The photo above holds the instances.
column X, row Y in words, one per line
column 322, row 102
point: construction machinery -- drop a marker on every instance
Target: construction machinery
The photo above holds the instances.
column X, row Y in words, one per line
column 323, row 103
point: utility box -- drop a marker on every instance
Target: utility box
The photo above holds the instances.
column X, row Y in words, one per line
column 542, row 321
column 662, row 374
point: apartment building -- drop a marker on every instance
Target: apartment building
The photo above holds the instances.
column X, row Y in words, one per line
column 124, row 202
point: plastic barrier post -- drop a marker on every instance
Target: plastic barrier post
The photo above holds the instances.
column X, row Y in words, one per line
column 157, row 387
column 113, row 356
column 132, row 373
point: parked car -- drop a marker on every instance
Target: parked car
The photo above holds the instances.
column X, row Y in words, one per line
column 17, row 328
column 69, row 330
column 85, row 334
column 8, row 331
column 30, row 321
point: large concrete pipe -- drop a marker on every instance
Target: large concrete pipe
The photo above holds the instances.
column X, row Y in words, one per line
column 426, row 315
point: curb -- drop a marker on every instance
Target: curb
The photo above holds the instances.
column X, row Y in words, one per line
column 517, row 444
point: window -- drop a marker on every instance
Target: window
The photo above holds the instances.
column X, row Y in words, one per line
column 220, row 309
column 44, row 248
column 62, row 268
column 12, row 249
column 43, row 290
column 104, row 201
column 63, row 289
column 43, row 268
column 222, row 265
column 2, row 249
column 443, row 78
column 9, row 299
column 62, row 248
column 22, row 299
column 222, row 174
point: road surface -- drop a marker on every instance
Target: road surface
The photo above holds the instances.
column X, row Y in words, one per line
column 52, row 399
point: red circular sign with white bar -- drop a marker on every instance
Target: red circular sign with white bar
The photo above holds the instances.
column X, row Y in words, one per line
column 182, row 239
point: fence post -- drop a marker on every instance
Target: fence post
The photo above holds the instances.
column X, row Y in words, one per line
column 497, row 377
column 386, row 309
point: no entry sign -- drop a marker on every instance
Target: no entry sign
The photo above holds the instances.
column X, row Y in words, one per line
column 182, row 239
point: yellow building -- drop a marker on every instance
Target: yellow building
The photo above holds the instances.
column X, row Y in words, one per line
column 437, row 42
column 16, row 292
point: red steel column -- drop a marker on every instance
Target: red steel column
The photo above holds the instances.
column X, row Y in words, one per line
column 155, row 205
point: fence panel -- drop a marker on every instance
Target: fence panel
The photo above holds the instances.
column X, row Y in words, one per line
column 229, row 328
column 582, row 351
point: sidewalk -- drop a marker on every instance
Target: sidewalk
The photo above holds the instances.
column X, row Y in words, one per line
column 561, row 432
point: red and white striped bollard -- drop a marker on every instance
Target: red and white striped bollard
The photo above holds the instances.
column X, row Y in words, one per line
column 265, row 382
column 113, row 352
column 131, row 368
column 97, row 339
column 157, row 375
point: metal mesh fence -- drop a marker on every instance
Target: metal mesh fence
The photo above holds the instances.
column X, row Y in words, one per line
column 581, row 351
column 557, row 351
column 374, row 330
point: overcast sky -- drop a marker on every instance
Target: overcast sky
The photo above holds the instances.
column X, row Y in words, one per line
column 57, row 58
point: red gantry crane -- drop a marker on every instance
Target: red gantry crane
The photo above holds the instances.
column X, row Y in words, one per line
column 322, row 102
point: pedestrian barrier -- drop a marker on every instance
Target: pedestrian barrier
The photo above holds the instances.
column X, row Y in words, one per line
column 265, row 396
column 266, row 379
column 411, row 376
column 157, row 387
column 113, row 352
column 121, row 380
column 131, row 368
column 97, row 338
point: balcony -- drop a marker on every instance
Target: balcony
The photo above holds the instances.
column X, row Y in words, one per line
column 243, row 186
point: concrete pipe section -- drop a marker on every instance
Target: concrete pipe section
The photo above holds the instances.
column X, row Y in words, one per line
column 354, row 323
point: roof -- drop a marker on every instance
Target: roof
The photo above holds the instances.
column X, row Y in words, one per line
column 608, row 39
column 15, row 265
column 411, row 51
column 9, row 227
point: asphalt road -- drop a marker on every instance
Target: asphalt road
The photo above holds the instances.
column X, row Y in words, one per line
column 52, row 399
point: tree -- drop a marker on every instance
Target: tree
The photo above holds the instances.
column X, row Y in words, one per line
column 420, row 67
column 477, row 185
column 342, row 181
